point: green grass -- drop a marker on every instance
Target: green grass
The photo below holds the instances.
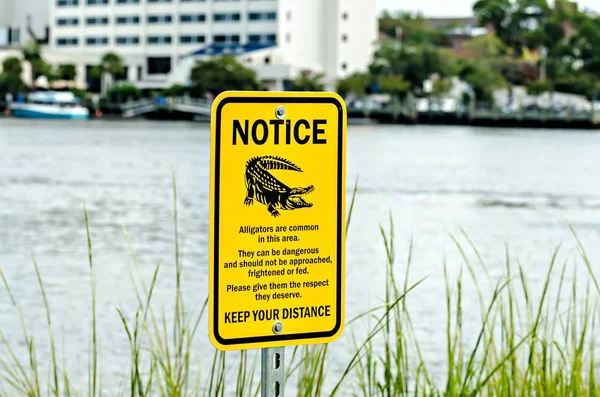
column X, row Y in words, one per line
column 525, row 343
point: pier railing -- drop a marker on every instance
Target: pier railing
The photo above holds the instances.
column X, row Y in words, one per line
column 407, row 112
column 180, row 104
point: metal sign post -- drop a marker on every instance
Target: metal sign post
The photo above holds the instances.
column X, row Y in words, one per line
column 272, row 373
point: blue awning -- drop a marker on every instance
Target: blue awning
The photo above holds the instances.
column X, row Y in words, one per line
column 232, row 49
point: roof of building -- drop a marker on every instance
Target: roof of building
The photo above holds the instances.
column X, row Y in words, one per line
column 231, row 49
column 444, row 22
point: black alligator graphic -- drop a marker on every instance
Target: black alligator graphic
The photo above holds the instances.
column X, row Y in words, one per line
column 268, row 190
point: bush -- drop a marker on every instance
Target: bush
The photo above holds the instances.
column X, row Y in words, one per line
column 176, row 90
column 584, row 84
column 355, row 83
column 66, row 72
column 221, row 73
column 307, row 83
column 539, row 87
column 11, row 83
column 12, row 65
column 124, row 93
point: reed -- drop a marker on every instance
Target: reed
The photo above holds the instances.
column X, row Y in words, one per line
column 525, row 343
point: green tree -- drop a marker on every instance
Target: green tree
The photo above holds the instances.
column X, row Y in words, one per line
column 221, row 73
column 123, row 93
column 308, row 83
column 394, row 85
column 32, row 53
column 584, row 84
column 494, row 12
column 176, row 90
column 356, row 84
column 441, row 87
column 487, row 46
column 415, row 64
column 43, row 68
column 12, row 65
column 413, row 29
column 483, row 79
column 539, row 87
column 112, row 65
column 11, row 83
column 67, row 72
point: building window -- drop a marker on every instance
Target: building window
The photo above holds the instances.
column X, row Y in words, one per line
column 262, row 16
column 159, row 18
column 97, row 21
column 139, row 73
column 67, row 21
column 222, row 1
column 96, row 40
column 159, row 1
column 14, row 35
column 196, row 1
column 288, row 16
column 187, row 39
column 192, row 18
column 128, row 20
column 234, row 16
column 128, row 1
column 262, row 39
column 227, row 39
column 344, row 38
column 159, row 39
column 125, row 40
column 345, row 16
column 158, row 65
column 67, row 41
column 97, row 2
column 67, row 3
column 344, row 66
column 288, row 38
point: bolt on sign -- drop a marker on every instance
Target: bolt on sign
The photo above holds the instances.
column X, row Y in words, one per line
column 277, row 219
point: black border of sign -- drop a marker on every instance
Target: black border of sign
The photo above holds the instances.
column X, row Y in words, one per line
column 340, row 192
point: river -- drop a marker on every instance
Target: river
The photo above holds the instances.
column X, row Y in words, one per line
column 518, row 187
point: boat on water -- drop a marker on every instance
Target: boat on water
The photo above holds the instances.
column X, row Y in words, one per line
column 50, row 105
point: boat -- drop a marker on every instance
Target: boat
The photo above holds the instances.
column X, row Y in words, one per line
column 50, row 105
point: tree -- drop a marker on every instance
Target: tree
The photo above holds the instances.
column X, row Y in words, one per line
column 483, row 79
column 413, row 29
column 441, row 87
column 487, row 46
column 11, row 83
column 221, row 73
column 112, row 65
column 307, row 83
column 32, row 54
column 12, row 65
column 356, row 84
column 537, row 88
column 43, row 68
column 584, row 84
column 123, row 93
column 67, row 72
column 394, row 85
column 415, row 64
column 495, row 13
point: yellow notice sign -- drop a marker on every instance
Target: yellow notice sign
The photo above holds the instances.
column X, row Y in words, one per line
column 277, row 219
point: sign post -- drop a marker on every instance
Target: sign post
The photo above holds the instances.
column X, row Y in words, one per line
column 277, row 223
column 272, row 372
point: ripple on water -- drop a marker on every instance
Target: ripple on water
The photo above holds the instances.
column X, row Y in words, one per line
column 500, row 187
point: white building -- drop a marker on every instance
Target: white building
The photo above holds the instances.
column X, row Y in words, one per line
column 19, row 19
column 161, row 39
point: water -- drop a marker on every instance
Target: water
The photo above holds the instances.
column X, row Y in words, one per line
column 518, row 187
